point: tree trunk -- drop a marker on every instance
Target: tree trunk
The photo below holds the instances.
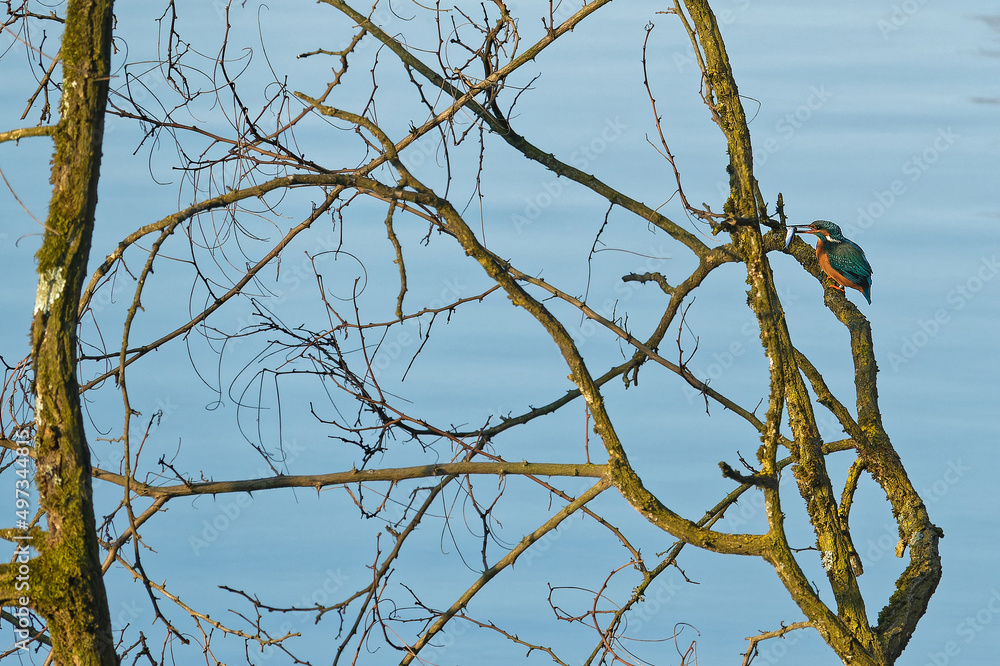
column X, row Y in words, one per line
column 67, row 587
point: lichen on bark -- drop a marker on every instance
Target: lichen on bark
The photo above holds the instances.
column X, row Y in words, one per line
column 67, row 586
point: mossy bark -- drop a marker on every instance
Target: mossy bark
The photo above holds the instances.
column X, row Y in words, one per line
column 847, row 630
column 67, row 587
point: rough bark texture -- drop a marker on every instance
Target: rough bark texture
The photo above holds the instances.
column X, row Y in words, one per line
column 848, row 631
column 67, row 588
column 66, row 585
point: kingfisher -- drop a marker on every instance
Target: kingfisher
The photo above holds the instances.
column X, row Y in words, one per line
column 840, row 258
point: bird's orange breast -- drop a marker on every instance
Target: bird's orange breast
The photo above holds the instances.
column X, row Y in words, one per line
column 824, row 263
